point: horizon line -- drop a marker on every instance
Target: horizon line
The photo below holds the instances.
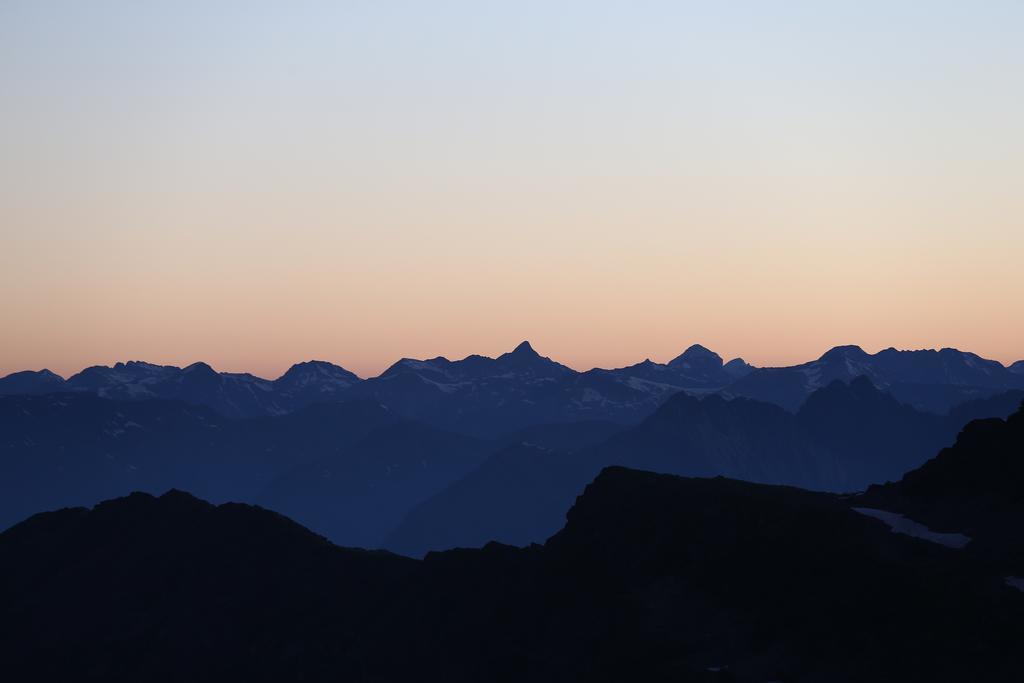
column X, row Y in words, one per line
column 526, row 343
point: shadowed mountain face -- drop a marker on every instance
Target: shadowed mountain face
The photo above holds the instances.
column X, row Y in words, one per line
column 975, row 488
column 358, row 494
column 75, row 449
column 929, row 380
column 563, row 436
column 874, row 437
column 986, row 463
column 652, row 578
column 517, row 496
column 355, row 464
column 846, row 437
column 355, row 471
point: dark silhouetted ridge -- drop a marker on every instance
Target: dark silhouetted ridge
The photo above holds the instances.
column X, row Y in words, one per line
column 652, row 578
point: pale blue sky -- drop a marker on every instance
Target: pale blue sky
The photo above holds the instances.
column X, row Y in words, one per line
column 254, row 183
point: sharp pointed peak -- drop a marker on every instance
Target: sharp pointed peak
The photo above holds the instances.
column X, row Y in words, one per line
column 524, row 356
column 524, row 349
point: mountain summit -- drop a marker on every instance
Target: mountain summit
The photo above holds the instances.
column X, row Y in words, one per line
column 701, row 368
column 697, row 356
column 525, row 358
column 846, row 352
column 524, row 349
column 31, row 382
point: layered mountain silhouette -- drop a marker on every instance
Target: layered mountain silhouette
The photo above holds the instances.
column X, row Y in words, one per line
column 366, row 475
column 358, row 493
column 652, row 577
column 633, row 524
column 846, row 437
column 357, row 458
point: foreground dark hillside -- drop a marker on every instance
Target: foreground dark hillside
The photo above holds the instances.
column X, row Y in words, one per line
column 975, row 487
column 144, row 588
column 653, row 577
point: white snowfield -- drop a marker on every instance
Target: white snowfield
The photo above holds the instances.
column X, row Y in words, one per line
column 901, row 525
column 1015, row 582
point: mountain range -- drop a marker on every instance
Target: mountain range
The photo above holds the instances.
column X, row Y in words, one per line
column 929, row 380
column 230, row 394
column 695, row 520
column 364, row 475
column 845, row 438
column 489, row 397
column 650, row 577
column 58, row 450
column 437, row 454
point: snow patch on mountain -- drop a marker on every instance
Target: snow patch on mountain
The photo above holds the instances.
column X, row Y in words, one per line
column 902, row 525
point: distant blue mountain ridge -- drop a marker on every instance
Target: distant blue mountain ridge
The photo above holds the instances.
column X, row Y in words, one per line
column 485, row 396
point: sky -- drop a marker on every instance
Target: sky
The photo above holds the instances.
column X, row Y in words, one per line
column 257, row 183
